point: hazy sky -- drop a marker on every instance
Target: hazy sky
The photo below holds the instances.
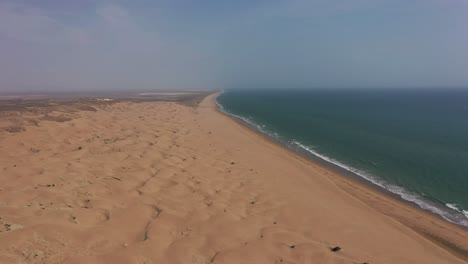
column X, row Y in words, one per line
column 167, row 44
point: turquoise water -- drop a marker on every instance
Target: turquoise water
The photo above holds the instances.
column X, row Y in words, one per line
column 413, row 143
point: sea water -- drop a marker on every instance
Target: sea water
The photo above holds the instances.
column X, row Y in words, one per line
column 411, row 142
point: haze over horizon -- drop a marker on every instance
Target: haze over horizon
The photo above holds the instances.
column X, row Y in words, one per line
column 120, row 45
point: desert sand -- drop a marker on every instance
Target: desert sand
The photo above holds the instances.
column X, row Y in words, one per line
column 162, row 182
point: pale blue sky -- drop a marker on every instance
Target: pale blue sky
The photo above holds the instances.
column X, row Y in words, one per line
column 181, row 44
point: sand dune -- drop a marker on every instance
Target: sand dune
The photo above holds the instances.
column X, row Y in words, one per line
column 160, row 182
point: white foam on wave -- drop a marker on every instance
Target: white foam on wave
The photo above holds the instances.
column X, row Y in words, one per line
column 456, row 208
column 220, row 107
column 402, row 192
column 461, row 218
column 262, row 128
column 465, row 213
column 452, row 206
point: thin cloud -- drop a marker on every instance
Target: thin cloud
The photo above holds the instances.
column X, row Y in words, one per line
column 94, row 44
column 113, row 14
column 110, row 51
column 27, row 24
column 314, row 8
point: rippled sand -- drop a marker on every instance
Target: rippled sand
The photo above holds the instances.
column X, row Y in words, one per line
column 161, row 182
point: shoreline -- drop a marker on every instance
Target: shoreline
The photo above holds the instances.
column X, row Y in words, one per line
column 184, row 183
column 361, row 183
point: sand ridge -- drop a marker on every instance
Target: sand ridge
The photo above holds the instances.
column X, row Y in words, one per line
column 160, row 182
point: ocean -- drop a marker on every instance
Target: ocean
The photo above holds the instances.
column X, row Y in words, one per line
column 411, row 142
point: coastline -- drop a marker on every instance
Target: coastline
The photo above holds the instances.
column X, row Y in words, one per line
column 430, row 225
column 184, row 183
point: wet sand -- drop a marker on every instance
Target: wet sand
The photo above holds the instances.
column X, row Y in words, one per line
column 164, row 182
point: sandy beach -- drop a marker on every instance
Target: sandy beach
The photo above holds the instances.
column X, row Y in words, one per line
column 165, row 182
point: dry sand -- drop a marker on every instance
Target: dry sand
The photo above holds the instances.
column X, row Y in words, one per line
column 160, row 182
